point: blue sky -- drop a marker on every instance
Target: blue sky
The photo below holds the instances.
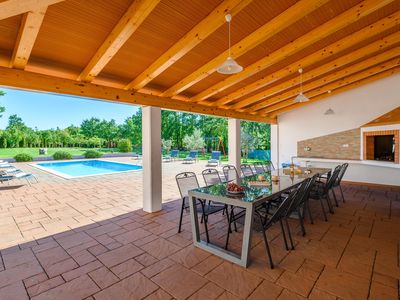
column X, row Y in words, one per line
column 46, row 111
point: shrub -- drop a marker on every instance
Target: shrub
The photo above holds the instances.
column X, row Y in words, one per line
column 92, row 154
column 62, row 155
column 125, row 145
column 23, row 157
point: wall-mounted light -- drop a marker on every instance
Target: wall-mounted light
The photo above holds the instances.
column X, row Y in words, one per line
column 307, row 149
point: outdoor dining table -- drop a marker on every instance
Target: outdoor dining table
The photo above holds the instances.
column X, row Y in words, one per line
column 252, row 197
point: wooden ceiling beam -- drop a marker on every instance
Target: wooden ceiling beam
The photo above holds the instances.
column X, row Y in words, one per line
column 342, row 89
column 190, row 40
column 126, row 26
column 10, row 8
column 27, row 34
column 277, row 24
column 330, row 50
column 290, row 95
column 346, row 18
column 38, row 82
column 337, row 84
column 381, row 44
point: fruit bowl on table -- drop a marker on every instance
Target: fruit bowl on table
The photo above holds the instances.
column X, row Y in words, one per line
column 234, row 189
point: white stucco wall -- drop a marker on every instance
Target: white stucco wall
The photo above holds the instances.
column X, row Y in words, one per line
column 352, row 109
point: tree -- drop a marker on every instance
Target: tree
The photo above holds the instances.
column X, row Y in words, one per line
column 2, row 108
column 15, row 122
column 91, row 127
column 194, row 141
column 247, row 143
column 166, row 144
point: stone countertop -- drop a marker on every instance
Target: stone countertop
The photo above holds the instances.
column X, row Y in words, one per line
column 384, row 164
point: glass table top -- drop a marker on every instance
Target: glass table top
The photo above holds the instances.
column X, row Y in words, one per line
column 255, row 192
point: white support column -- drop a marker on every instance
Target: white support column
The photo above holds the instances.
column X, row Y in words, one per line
column 275, row 145
column 151, row 148
column 234, row 154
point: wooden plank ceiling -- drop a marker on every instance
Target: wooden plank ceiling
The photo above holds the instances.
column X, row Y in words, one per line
column 166, row 52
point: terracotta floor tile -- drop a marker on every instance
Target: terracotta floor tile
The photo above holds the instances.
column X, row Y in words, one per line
column 160, row 248
column 190, row 256
column 134, row 287
column 207, row 265
column 288, row 295
column 343, row 285
column 160, row 294
column 45, row 286
column 317, row 294
column 78, row 288
column 158, row 267
column 234, row 279
column 121, row 254
column 103, row 277
column 296, row 283
column 126, row 268
column 380, row 291
column 228, row 296
column 179, row 281
column 385, row 280
column 13, row 292
column 210, row 292
column 146, row 259
column 265, row 291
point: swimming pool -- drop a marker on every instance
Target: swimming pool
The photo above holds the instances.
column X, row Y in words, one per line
column 83, row 168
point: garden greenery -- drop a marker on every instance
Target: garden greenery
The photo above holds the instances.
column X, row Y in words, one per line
column 124, row 145
column 92, row 154
column 62, row 155
column 21, row 157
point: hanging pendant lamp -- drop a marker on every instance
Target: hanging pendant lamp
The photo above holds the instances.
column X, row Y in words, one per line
column 229, row 66
column 301, row 97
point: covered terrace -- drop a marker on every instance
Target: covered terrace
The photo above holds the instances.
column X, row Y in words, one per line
column 109, row 238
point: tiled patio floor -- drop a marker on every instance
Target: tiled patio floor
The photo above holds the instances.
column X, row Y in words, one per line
column 88, row 239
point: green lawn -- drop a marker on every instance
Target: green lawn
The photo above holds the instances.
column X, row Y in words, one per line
column 11, row 152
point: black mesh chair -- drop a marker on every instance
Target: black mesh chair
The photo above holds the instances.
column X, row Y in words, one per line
column 269, row 166
column 338, row 181
column 322, row 188
column 246, row 170
column 299, row 204
column 230, row 172
column 259, row 167
column 279, row 215
column 188, row 181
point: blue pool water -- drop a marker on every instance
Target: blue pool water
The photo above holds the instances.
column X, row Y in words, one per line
column 71, row 169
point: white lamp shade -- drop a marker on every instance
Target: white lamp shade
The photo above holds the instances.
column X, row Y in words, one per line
column 301, row 98
column 229, row 66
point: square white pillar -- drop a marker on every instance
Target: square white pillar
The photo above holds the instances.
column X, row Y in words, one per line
column 275, row 145
column 234, row 154
column 151, row 156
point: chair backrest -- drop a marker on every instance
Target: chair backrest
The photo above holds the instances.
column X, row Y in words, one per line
column 230, row 172
column 246, row 170
column 332, row 179
column 216, row 155
column 186, row 181
column 211, row 176
column 259, row 167
column 299, row 196
column 281, row 211
column 269, row 166
column 343, row 170
column 174, row 153
column 193, row 153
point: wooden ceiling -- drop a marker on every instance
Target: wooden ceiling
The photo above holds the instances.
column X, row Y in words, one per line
column 166, row 52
